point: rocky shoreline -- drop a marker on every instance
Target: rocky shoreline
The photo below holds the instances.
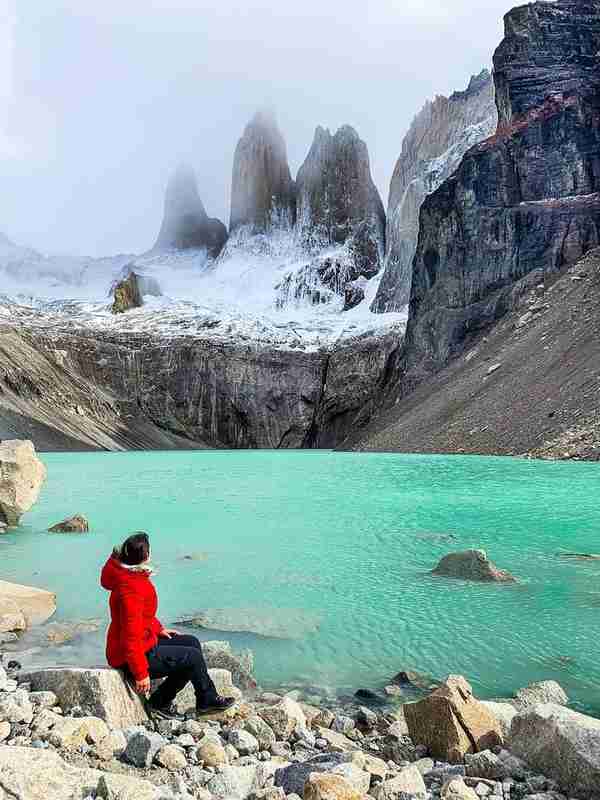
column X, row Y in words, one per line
column 70, row 734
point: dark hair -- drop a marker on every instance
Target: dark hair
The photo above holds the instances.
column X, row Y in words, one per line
column 134, row 550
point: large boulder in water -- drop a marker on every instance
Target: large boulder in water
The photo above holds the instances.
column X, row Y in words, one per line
column 99, row 693
column 471, row 565
column 451, row 722
column 21, row 477
column 186, row 224
column 262, row 190
column 337, row 200
column 562, row 744
column 33, row 605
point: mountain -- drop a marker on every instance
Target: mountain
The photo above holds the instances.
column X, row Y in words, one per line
column 440, row 135
column 262, row 191
column 340, row 221
column 186, row 224
column 521, row 209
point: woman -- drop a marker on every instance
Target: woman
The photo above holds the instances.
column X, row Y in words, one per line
column 139, row 644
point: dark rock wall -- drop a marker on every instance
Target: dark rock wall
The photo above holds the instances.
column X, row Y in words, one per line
column 523, row 202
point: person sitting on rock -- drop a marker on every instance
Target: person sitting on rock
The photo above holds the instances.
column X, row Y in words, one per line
column 138, row 643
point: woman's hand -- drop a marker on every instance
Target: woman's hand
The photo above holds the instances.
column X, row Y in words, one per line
column 166, row 633
column 143, row 686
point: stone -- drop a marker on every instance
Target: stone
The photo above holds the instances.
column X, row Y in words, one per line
column 244, row 742
column 451, row 722
column 358, row 778
column 219, row 655
column 324, row 719
column 485, row 765
column 99, row 693
column 15, row 707
column 211, row 753
column 73, row 732
column 408, row 782
column 561, row 744
column 29, row 773
column 326, row 786
column 127, row 294
column 21, row 477
column 76, row 524
column 375, row 766
column 457, row 789
column 233, row 781
column 44, row 721
column 438, row 138
column 186, row 699
column 503, row 712
column 416, row 680
column 343, row 724
column 142, row 747
column 337, row 742
column 471, row 565
column 4, row 730
column 261, row 730
column 263, row 194
column 32, row 604
column 125, row 787
column 112, row 745
column 541, row 692
column 171, row 757
column 283, row 718
column 186, row 224
column 11, row 617
column 292, row 778
column 367, row 717
column 3, row 679
column 43, row 699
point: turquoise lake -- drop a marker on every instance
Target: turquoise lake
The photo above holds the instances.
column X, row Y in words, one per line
column 334, row 549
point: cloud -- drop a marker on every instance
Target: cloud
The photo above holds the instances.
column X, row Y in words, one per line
column 106, row 97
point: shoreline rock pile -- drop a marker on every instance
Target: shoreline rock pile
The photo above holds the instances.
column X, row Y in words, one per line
column 81, row 733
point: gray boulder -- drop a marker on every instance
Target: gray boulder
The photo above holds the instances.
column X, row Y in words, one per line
column 471, row 565
column 561, row 744
column 233, row 781
column 23, row 606
column 142, row 746
column 33, row 774
column 292, row 778
column 542, row 692
column 21, row 477
column 186, row 224
column 99, row 693
column 262, row 191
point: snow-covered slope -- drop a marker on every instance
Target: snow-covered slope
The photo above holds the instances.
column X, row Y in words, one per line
column 238, row 296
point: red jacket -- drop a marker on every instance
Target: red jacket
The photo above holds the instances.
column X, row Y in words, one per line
column 134, row 628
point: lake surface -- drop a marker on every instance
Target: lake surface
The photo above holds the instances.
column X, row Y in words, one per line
column 334, row 549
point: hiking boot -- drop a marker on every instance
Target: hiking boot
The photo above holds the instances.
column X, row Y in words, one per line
column 162, row 712
column 216, row 705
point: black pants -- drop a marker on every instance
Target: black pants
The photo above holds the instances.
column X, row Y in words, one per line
column 179, row 660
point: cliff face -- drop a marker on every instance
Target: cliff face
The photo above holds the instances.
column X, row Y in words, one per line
column 523, row 204
column 186, row 224
column 77, row 389
column 262, row 190
column 337, row 199
column 341, row 222
column 440, row 135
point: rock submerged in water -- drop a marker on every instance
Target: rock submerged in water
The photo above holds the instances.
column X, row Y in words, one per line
column 76, row 524
column 471, row 565
column 23, row 606
column 21, row 477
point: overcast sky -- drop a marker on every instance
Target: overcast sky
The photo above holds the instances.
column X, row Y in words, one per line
column 100, row 99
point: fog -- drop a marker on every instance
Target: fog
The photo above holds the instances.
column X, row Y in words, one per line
column 99, row 100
